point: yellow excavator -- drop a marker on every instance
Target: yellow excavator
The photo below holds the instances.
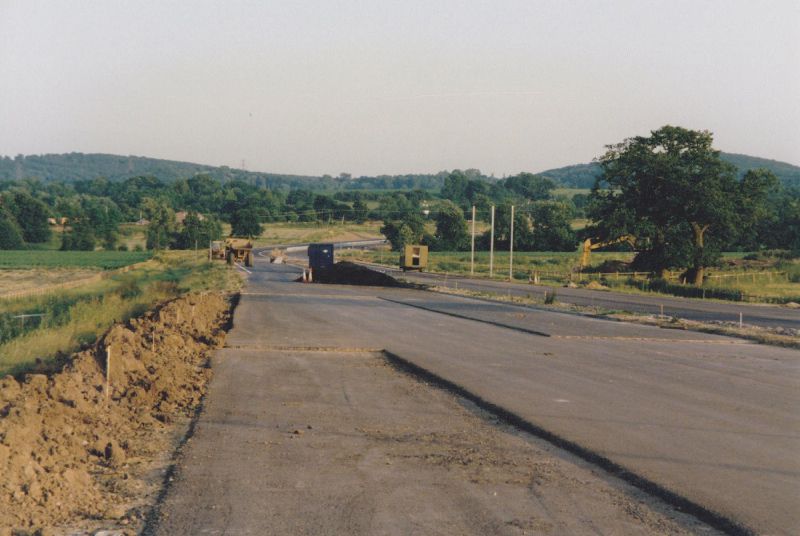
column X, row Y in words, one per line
column 591, row 244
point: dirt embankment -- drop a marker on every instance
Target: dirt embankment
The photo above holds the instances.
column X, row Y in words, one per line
column 348, row 273
column 74, row 455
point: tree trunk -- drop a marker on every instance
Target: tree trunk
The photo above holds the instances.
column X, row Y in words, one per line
column 698, row 268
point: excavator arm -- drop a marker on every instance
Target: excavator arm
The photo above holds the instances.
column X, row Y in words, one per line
column 591, row 244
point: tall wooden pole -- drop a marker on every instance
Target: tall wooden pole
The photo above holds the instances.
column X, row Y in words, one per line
column 511, row 248
column 491, row 247
column 472, row 257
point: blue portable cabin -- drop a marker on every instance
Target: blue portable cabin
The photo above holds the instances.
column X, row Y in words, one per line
column 320, row 256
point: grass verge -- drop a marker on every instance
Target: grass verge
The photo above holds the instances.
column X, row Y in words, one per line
column 771, row 336
column 75, row 317
column 755, row 282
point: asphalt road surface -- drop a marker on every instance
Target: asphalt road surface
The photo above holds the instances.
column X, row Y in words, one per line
column 712, row 419
column 690, row 309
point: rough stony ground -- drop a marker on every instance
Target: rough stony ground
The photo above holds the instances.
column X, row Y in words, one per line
column 327, row 442
column 73, row 459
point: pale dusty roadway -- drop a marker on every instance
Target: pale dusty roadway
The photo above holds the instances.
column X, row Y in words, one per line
column 713, row 419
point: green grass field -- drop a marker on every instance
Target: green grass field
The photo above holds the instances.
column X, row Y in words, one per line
column 103, row 260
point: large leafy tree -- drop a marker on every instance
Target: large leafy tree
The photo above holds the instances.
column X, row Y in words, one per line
column 551, row 227
column 197, row 231
column 757, row 212
column 530, row 186
column 360, row 210
column 451, row 228
column 162, row 223
column 10, row 233
column 104, row 216
column 245, row 223
column 523, row 229
column 409, row 229
column 786, row 232
column 31, row 215
column 455, row 187
column 673, row 193
column 81, row 235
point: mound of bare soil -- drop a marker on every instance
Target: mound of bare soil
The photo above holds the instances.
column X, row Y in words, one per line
column 348, row 273
column 75, row 455
column 595, row 285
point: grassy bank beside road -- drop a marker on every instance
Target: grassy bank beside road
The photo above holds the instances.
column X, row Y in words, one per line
column 458, row 262
column 70, row 318
column 739, row 276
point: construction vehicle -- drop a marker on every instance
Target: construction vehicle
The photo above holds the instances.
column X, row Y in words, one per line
column 320, row 256
column 216, row 250
column 414, row 257
column 232, row 250
column 591, row 244
column 239, row 250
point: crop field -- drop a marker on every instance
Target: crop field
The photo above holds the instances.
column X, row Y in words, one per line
column 99, row 260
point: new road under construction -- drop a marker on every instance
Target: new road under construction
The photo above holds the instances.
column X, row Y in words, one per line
column 349, row 409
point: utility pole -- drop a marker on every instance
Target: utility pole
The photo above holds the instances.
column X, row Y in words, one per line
column 511, row 248
column 491, row 248
column 472, row 258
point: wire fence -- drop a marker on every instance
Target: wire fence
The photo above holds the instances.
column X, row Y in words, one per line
column 718, row 286
column 75, row 283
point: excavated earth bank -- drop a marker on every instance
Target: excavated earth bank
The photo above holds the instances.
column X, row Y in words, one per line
column 348, row 273
column 77, row 456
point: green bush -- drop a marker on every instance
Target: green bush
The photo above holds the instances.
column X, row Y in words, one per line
column 129, row 287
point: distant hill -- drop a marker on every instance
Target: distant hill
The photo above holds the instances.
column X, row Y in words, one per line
column 584, row 175
column 73, row 167
column 78, row 166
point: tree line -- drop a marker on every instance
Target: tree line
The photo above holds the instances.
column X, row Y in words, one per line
column 94, row 209
column 680, row 203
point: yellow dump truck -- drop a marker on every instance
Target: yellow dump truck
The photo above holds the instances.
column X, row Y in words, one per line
column 232, row 250
column 239, row 250
column 414, row 257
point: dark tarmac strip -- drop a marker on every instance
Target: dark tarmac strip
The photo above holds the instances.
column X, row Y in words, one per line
column 713, row 421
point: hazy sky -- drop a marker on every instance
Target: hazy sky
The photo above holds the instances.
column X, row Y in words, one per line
column 371, row 87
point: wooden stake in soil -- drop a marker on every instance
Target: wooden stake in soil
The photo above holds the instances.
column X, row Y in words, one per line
column 108, row 372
